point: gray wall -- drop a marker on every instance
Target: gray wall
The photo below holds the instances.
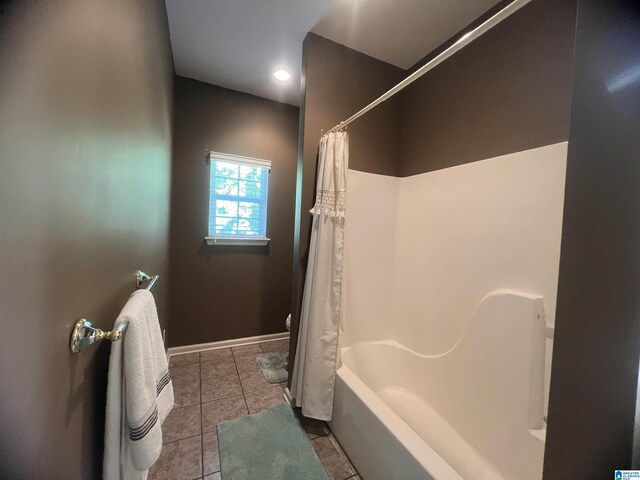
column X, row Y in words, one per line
column 217, row 292
column 597, row 340
column 85, row 108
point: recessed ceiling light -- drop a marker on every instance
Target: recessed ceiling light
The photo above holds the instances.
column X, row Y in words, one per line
column 282, row 75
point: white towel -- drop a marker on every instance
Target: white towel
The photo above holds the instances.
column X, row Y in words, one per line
column 139, row 392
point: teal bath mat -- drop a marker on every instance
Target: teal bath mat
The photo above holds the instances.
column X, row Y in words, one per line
column 274, row 366
column 269, row 445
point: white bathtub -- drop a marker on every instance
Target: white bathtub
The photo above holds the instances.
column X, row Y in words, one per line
column 474, row 412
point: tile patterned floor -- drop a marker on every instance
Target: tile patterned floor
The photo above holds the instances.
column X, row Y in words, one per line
column 224, row 384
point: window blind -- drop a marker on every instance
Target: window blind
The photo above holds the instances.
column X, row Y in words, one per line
column 238, row 195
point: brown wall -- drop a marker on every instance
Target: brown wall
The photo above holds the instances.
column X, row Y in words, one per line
column 597, row 338
column 507, row 91
column 85, row 106
column 514, row 89
column 218, row 293
column 337, row 82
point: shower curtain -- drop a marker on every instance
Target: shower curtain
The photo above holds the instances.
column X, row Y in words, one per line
column 314, row 370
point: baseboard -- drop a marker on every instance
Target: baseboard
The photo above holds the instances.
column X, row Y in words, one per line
column 288, row 397
column 235, row 342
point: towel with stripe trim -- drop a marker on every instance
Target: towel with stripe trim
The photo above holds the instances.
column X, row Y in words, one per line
column 139, row 393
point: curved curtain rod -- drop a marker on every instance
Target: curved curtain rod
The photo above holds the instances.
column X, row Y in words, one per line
column 462, row 42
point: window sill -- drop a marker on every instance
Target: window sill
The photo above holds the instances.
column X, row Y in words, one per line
column 238, row 241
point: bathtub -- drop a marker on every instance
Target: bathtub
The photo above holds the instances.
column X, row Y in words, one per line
column 474, row 412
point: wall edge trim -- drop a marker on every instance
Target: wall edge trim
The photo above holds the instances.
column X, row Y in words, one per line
column 234, row 342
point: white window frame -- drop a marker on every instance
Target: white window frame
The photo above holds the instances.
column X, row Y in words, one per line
column 238, row 240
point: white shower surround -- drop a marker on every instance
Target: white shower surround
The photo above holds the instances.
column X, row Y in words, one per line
column 422, row 252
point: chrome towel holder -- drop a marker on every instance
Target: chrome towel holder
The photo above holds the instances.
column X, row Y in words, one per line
column 142, row 277
column 85, row 334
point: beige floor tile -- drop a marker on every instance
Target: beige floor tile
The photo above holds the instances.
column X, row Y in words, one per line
column 210, row 453
column 275, row 345
column 181, row 460
column 186, row 393
column 221, row 386
column 182, row 422
column 215, row 476
column 212, row 368
column 247, row 363
column 185, row 373
column 262, row 399
column 223, row 409
column 217, row 354
column 253, row 380
column 246, row 349
column 184, row 359
column 333, row 459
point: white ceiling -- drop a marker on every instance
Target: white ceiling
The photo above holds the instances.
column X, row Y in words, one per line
column 238, row 44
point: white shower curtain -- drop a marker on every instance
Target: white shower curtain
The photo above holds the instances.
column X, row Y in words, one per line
column 314, row 370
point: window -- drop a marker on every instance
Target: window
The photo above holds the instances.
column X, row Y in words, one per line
column 238, row 200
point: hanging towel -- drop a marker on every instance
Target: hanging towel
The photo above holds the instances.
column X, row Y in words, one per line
column 139, row 392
